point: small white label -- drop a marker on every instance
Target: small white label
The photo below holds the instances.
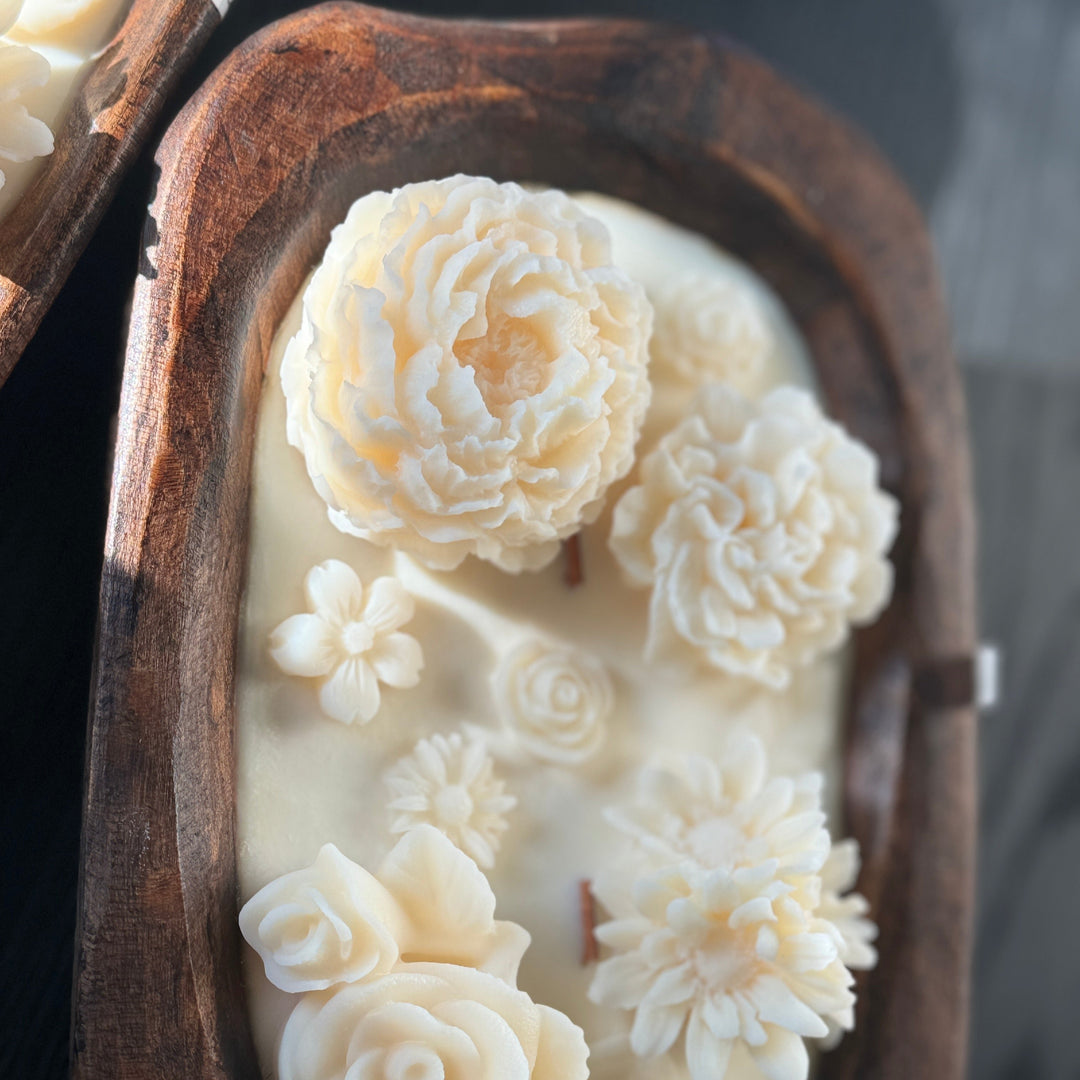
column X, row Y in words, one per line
column 987, row 676
column 222, row 6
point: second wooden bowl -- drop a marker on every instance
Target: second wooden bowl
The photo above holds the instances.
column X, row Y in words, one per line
column 343, row 99
column 110, row 116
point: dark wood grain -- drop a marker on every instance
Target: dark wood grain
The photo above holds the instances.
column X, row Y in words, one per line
column 301, row 120
column 109, row 118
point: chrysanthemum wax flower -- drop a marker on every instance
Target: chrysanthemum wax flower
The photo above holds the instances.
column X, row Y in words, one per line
column 721, row 930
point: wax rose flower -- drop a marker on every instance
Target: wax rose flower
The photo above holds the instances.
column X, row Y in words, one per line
column 334, row 922
column 554, row 699
column 350, row 640
column 762, row 531
column 430, row 1022
column 711, row 328
column 22, row 136
column 470, row 374
column 331, row 922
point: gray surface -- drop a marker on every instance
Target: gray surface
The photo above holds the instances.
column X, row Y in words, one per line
column 1026, row 433
column 1007, row 217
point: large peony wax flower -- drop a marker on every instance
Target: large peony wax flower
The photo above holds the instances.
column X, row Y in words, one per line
column 470, row 374
column 430, row 1022
column 334, row 922
column 22, row 136
column 762, row 531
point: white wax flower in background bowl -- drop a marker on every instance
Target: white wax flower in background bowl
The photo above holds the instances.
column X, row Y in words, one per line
column 720, row 935
column 334, row 922
column 711, row 328
column 448, row 782
column 350, row 640
column 70, row 24
column 554, row 699
column 22, row 136
column 430, row 1022
column 762, row 531
column 470, row 375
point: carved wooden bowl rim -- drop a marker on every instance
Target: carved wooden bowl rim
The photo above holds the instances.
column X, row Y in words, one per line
column 300, row 120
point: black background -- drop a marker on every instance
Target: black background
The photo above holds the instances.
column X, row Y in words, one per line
column 891, row 66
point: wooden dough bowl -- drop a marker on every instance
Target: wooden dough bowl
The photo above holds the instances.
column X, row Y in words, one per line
column 110, row 117
column 301, row 120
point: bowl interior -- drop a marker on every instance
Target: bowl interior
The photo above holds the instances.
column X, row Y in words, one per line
column 261, row 165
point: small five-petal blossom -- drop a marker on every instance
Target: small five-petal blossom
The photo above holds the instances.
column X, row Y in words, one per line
column 351, row 640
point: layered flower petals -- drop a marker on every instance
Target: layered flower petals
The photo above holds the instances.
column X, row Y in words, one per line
column 334, row 922
column 554, row 700
column 712, row 329
column 331, row 922
column 432, row 1022
column 448, row 783
column 762, row 532
column 470, row 373
column 720, row 933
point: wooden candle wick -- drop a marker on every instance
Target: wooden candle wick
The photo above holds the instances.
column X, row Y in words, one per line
column 574, row 571
column 590, row 950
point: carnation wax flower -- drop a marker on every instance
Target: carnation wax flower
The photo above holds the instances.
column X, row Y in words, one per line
column 762, row 530
column 712, row 328
column 470, row 374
